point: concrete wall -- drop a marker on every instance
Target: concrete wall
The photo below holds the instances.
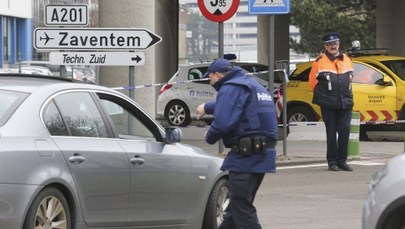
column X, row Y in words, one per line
column 160, row 17
column 391, row 26
column 16, row 8
column 281, row 38
column 167, row 26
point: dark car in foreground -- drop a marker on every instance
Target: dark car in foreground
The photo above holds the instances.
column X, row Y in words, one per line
column 76, row 155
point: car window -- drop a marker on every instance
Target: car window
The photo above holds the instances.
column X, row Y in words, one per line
column 254, row 68
column 196, row 74
column 53, row 120
column 363, row 74
column 397, row 66
column 80, row 114
column 9, row 101
column 303, row 76
column 127, row 125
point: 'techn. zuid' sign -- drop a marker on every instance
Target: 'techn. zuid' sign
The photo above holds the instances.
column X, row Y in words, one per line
column 94, row 38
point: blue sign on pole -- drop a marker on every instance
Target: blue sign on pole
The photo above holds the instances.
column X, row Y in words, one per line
column 269, row 6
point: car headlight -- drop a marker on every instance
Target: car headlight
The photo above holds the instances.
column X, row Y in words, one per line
column 378, row 176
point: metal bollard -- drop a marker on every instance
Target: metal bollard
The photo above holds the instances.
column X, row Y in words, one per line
column 354, row 142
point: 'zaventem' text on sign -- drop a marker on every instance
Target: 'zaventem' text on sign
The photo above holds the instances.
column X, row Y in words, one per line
column 86, row 38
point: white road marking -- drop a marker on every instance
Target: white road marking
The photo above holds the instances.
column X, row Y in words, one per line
column 363, row 163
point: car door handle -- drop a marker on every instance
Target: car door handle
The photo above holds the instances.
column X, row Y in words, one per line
column 137, row 161
column 76, row 159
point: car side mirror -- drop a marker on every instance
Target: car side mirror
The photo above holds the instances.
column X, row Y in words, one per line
column 385, row 81
column 173, row 135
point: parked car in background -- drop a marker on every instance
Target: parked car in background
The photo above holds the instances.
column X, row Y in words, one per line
column 385, row 204
column 86, row 74
column 37, row 70
column 76, row 155
column 83, row 74
column 179, row 98
column 378, row 90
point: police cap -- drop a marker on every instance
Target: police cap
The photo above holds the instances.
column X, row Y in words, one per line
column 331, row 37
column 218, row 65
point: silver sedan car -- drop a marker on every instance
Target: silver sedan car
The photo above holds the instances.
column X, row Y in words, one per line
column 76, row 155
column 385, row 205
column 179, row 98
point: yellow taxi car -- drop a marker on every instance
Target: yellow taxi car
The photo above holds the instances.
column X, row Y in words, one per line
column 378, row 90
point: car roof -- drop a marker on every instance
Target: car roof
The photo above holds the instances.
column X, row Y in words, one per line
column 205, row 64
column 28, row 83
column 300, row 67
column 379, row 58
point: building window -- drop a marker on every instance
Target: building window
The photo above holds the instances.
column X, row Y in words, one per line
column 5, row 39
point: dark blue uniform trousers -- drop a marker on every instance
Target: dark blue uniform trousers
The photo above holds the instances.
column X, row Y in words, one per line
column 241, row 214
column 336, row 121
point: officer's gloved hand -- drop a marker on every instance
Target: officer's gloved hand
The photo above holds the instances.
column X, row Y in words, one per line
column 200, row 111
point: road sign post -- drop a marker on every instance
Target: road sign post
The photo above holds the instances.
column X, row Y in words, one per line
column 91, row 39
column 219, row 11
column 272, row 7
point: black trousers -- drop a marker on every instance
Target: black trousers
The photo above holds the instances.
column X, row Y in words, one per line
column 336, row 122
column 241, row 214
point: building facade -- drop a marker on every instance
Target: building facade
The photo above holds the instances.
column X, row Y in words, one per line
column 15, row 31
column 18, row 20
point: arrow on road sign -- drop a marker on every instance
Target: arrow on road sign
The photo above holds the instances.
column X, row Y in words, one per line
column 97, row 58
column 137, row 58
column 94, row 38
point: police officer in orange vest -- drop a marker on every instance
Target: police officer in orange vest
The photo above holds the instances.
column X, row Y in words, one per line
column 331, row 81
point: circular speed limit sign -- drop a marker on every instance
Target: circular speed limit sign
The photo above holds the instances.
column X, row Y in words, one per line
column 218, row 10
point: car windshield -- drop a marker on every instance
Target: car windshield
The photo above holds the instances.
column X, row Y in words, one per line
column 9, row 101
column 396, row 66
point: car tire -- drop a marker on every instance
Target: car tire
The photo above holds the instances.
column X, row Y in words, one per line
column 49, row 203
column 394, row 220
column 218, row 201
column 177, row 114
column 300, row 114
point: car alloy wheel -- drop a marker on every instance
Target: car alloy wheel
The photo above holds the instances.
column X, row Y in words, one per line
column 178, row 114
column 49, row 210
column 300, row 114
column 217, row 205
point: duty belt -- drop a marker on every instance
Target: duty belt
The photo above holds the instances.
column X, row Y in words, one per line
column 246, row 146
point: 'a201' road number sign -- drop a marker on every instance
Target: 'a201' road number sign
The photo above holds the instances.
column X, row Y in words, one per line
column 66, row 15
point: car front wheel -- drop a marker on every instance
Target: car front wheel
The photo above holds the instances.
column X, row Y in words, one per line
column 48, row 210
column 177, row 114
column 300, row 114
column 217, row 204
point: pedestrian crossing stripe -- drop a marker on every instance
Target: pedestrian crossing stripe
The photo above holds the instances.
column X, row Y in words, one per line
column 268, row 3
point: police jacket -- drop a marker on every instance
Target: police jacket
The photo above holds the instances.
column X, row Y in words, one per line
column 330, row 78
column 243, row 107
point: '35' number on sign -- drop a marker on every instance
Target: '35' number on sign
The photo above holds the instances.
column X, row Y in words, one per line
column 220, row 3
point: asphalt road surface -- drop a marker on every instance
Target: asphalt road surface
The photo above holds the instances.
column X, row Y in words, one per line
column 311, row 197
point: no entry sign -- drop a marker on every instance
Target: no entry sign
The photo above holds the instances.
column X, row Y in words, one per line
column 218, row 10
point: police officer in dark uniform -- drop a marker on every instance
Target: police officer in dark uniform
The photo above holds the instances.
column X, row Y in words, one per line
column 245, row 120
column 331, row 80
